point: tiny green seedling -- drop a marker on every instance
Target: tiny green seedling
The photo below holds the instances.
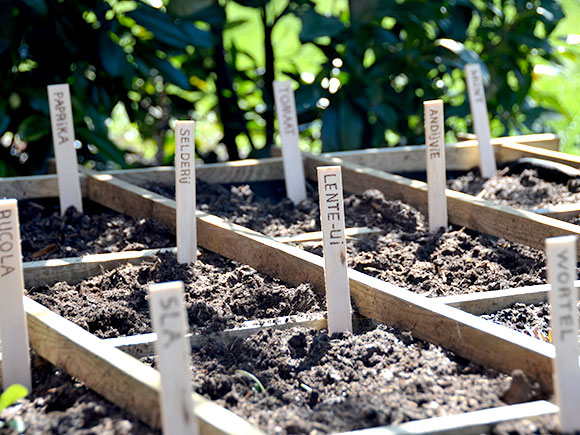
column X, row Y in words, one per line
column 256, row 384
column 8, row 398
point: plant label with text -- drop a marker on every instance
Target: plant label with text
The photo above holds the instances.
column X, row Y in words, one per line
column 334, row 245
column 13, row 326
column 186, row 234
column 169, row 322
column 288, row 127
column 435, row 156
column 480, row 117
column 561, row 259
column 63, row 138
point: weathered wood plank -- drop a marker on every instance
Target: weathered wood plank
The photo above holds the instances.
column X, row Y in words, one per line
column 461, row 156
column 36, row 186
column 240, row 171
column 75, row 269
column 513, row 150
column 492, row 301
column 464, row 210
column 46, row 186
column 114, row 374
column 467, row 335
column 143, row 344
column 563, row 212
column 317, row 235
column 475, row 422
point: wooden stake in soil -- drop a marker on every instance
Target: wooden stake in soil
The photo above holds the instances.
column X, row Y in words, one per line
column 185, row 191
column 13, row 326
column 288, row 127
column 334, row 245
column 170, row 324
column 480, row 118
column 435, row 155
column 63, row 138
column 561, row 258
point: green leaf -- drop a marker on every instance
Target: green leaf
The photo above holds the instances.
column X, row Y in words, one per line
column 34, row 128
column 208, row 11
column 167, row 31
column 108, row 151
column 329, row 131
column 113, row 57
column 38, row 5
column 315, row 26
column 12, row 394
column 168, row 71
column 465, row 55
column 350, row 126
column 4, row 122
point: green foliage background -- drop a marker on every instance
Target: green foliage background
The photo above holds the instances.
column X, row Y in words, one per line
column 361, row 70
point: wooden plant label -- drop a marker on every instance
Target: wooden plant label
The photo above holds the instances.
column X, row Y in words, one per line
column 173, row 349
column 478, row 106
column 13, row 326
column 334, row 246
column 435, row 155
column 63, row 138
column 288, row 126
column 185, row 191
column 561, row 259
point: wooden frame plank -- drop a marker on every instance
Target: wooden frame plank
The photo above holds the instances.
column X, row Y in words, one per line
column 114, row 374
column 36, row 186
column 464, row 210
column 461, row 156
column 562, row 212
column 240, row 171
column 514, row 150
column 475, row 422
column 143, row 344
column 467, row 335
column 45, row 186
column 75, row 269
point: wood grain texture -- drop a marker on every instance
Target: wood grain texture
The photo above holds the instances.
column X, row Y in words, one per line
column 143, row 344
column 475, row 422
column 75, row 269
column 467, row 335
column 461, row 156
column 114, row 374
column 240, row 171
column 464, row 210
column 35, row 186
column 513, row 150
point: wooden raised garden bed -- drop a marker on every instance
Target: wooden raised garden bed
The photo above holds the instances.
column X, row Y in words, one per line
column 107, row 367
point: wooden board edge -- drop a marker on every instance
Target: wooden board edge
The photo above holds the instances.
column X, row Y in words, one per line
column 501, row 221
column 75, row 269
column 474, row 422
column 514, row 150
column 467, row 335
column 496, row 300
column 114, row 374
column 143, row 344
column 239, row 171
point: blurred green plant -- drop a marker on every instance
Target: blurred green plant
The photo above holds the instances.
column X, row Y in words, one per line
column 361, row 67
column 8, row 398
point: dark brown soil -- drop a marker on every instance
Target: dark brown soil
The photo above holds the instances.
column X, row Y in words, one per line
column 319, row 384
column 218, row 293
column 98, row 230
column 61, row 405
column 531, row 319
column 526, row 189
column 405, row 254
